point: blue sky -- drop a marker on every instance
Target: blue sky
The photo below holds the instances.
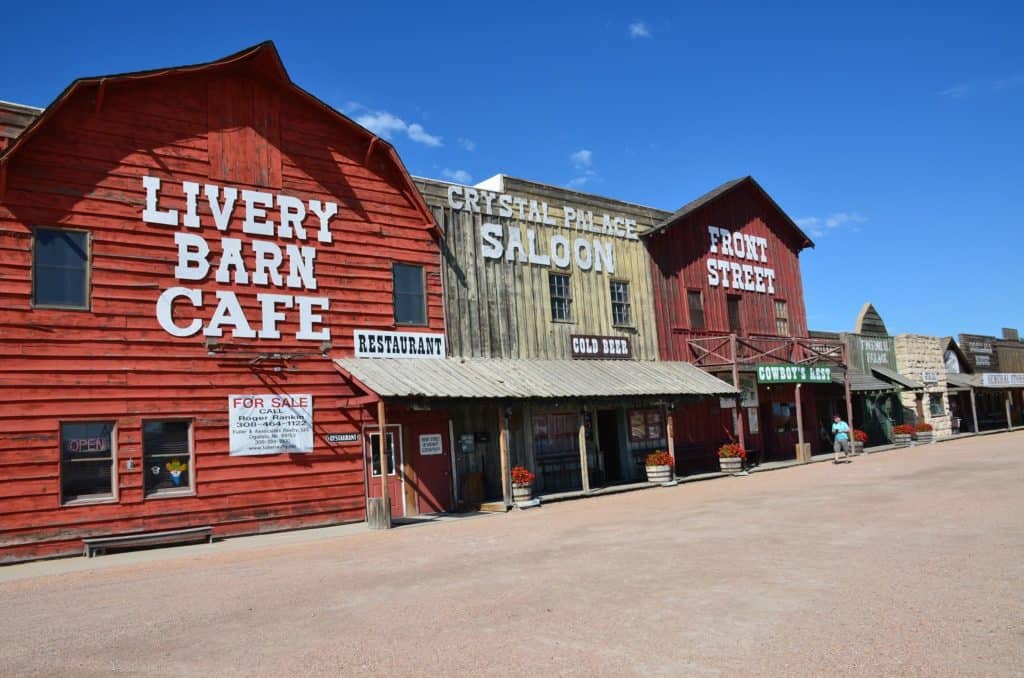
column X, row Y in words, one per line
column 892, row 132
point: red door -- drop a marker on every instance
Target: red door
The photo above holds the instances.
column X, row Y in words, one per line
column 371, row 452
column 432, row 462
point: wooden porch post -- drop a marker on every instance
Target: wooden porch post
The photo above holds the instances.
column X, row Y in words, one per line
column 506, row 470
column 584, row 467
column 974, row 411
column 670, row 434
column 378, row 511
column 849, row 399
column 799, row 424
column 1009, row 409
column 740, row 429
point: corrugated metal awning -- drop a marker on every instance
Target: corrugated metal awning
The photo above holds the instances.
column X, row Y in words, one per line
column 960, row 381
column 860, row 382
column 500, row 378
column 896, row 378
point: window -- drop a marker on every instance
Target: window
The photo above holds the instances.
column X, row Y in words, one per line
column 60, row 269
column 166, row 456
column 733, row 303
column 561, row 297
column 86, row 460
column 646, row 425
column 620, row 303
column 375, row 454
column 695, row 300
column 935, row 406
column 410, row 299
column 781, row 318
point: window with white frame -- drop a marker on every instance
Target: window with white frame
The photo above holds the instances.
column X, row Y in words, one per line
column 561, row 297
column 621, row 314
column 167, row 456
column 86, row 460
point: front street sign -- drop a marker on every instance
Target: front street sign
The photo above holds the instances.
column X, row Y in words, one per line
column 794, row 374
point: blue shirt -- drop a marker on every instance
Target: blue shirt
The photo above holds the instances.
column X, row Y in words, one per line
column 841, row 429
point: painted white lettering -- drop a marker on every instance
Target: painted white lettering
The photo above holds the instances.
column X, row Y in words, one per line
column 504, row 205
column 712, row 273
column 221, row 212
column 192, row 257
column 583, row 254
column 452, row 202
column 515, row 250
column 191, row 191
column 713, row 236
column 165, row 311
column 292, row 214
column 300, row 267
column 152, row 213
column 231, row 257
column 490, row 236
column 604, row 256
column 472, row 200
column 271, row 316
column 532, row 256
column 268, row 261
column 324, row 212
column 561, row 258
column 256, row 222
column 229, row 312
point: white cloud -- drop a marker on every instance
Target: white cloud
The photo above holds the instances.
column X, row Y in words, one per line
column 581, row 159
column 386, row 125
column 578, row 181
column 956, row 91
column 821, row 226
column 639, row 30
column 467, row 144
column 459, row 176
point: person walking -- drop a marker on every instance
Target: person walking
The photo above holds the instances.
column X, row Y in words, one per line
column 841, row 438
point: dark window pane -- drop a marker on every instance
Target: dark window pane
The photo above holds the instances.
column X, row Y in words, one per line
column 60, row 267
column 166, row 455
column 734, row 314
column 620, row 302
column 409, row 297
column 561, row 297
column 696, row 304
column 375, row 453
column 85, row 478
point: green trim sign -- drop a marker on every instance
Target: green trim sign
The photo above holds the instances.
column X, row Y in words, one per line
column 794, row 374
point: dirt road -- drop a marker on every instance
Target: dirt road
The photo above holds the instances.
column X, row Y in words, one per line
column 905, row 562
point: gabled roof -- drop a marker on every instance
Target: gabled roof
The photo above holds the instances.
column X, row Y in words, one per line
column 949, row 344
column 723, row 190
column 264, row 57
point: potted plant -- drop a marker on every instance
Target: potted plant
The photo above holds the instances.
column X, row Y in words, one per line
column 659, row 467
column 859, row 438
column 923, row 433
column 522, row 484
column 902, row 434
column 731, row 457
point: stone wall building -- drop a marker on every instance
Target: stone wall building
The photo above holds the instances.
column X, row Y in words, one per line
column 921, row 357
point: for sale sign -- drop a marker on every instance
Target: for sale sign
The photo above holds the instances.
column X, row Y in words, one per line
column 270, row 424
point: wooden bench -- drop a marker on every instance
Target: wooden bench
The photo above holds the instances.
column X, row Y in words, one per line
column 99, row 545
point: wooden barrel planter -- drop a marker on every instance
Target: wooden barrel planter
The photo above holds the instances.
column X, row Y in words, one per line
column 858, row 448
column 730, row 464
column 924, row 437
column 659, row 474
column 901, row 439
column 521, row 493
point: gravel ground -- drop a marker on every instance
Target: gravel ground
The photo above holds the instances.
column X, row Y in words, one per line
column 905, row 562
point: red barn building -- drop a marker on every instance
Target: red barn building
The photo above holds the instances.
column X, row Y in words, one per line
column 183, row 253
column 728, row 296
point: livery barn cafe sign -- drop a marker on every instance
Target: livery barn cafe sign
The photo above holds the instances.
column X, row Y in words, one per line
column 546, row 240
column 287, row 272
column 794, row 374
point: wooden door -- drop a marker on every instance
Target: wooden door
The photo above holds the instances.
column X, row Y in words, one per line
column 371, row 454
column 432, row 465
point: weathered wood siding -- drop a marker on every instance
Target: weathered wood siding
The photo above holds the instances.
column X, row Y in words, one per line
column 502, row 309
column 679, row 263
column 83, row 169
column 14, row 118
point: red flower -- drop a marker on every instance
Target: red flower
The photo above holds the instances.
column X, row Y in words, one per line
column 522, row 475
column 860, row 436
column 732, row 450
column 659, row 458
column 923, row 428
column 903, row 429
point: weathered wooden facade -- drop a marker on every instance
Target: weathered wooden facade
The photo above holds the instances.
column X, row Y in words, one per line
column 999, row 396
column 182, row 253
column 728, row 291
column 533, row 272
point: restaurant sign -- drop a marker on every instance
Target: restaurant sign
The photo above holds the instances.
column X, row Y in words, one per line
column 794, row 374
column 381, row 344
column 604, row 348
column 1002, row 379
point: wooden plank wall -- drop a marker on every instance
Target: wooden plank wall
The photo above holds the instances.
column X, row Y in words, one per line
column 679, row 263
column 14, row 118
column 114, row 362
column 500, row 309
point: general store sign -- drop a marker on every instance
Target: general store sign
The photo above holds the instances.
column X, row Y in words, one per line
column 381, row 344
column 598, row 347
column 546, row 240
column 794, row 374
column 270, row 423
column 1002, row 379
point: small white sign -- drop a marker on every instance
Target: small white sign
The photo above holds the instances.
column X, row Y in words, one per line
column 381, row 344
column 430, row 443
column 1002, row 379
column 930, row 377
column 336, row 438
column 270, row 423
